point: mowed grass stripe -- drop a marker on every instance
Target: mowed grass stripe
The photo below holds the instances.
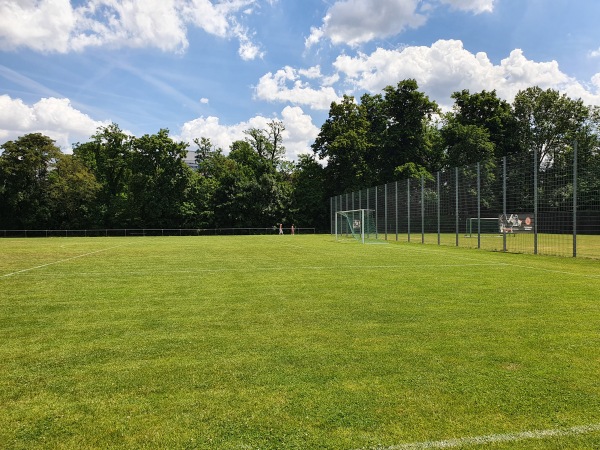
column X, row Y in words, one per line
column 356, row 356
column 192, row 272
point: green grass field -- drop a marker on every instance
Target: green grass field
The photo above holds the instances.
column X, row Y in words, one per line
column 294, row 342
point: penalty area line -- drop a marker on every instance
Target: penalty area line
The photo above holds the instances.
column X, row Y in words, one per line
column 497, row 438
column 60, row 261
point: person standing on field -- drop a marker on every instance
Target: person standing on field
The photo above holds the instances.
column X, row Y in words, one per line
column 280, row 228
column 292, row 228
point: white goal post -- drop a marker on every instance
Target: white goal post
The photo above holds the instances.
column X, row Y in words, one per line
column 356, row 223
column 482, row 225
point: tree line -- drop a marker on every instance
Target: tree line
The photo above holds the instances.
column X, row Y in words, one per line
column 115, row 180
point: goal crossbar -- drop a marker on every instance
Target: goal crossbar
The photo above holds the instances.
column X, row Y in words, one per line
column 360, row 223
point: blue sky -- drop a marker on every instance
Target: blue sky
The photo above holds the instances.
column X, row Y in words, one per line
column 214, row 68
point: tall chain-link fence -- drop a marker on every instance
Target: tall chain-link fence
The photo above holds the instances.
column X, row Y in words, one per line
column 518, row 204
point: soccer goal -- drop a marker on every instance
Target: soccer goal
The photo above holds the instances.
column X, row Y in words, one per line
column 483, row 225
column 357, row 223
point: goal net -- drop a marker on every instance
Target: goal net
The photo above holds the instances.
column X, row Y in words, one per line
column 358, row 224
column 483, row 225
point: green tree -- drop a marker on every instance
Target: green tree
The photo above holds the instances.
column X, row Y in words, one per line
column 275, row 137
column 408, row 113
column 25, row 165
column 309, row 199
column 237, row 198
column 159, row 193
column 491, row 116
column 344, row 143
column 548, row 122
column 466, row 144
column 72, row 191
column 251, row 192
column 213, row 165
column 259, row 141
column 108, row 157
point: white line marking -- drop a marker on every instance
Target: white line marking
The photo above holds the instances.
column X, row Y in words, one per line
column 562, row 272
column 496, row 438
column 258, row 269
column 419, row 249
column 60, row 261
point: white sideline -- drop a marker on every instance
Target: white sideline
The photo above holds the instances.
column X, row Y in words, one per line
column 60, row 261
column 260, row 269
column 496, row 438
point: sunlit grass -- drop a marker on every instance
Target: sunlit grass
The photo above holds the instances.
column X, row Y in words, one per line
column 278, row 342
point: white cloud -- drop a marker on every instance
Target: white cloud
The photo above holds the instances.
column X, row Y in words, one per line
column 42, row 25
column 446, row 66
column 248, row 51
column 300, row 131
column 298, row 136
column 475, row 6
column 129, row 23
column 53, row 117
column 58, row 26
column 354, row 22
column 595, row 53
column 205, row 15
column 286, row 85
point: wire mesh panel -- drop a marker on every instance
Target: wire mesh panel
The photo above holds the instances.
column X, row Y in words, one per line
column 519, row 204
column 402, row 206
column 380, row 211
column 429, row 208
column 588, row 206
column 468, row 206
column 520, row 208
column 447, row 207
column 490, row 204
column 555, row 207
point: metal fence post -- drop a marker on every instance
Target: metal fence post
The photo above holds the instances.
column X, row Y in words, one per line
column 456, row 209
column 575, row 199
column 504, row 201
column 408, row 207
column 535, row 201
column 376, row 215
column 422, row 209
column 385, row 210
column 331, row 212
column 439, row 226
column 396, row 203
column 478, row 205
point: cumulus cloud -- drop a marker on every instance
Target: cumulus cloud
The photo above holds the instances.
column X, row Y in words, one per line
column 53, row 117
column 151, row 23
column 299, row 134
column 446, row 66
column 287, row 85
column 440, row 69
column 43, row 26
column 475, row 6
column 300, row 131
column 58, row 26
column 354, row 22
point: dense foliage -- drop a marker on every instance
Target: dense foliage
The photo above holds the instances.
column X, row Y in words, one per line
column 115, row 180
